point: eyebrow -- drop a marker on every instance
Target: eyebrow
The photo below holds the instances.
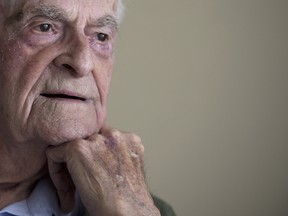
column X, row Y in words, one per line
column 56, row 13
column 106, row 20
column 49, row 11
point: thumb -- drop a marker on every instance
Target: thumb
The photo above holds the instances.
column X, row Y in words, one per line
column 56, row 157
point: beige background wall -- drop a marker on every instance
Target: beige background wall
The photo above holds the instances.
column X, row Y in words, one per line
column 205, row 84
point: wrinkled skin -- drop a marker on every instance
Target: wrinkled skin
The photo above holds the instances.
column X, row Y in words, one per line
column 56, row 62
column 108, row 168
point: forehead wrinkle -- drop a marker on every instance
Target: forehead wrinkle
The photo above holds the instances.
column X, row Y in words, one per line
column 42, row 9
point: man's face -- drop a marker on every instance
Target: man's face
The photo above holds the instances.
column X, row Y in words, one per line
column 56, row 61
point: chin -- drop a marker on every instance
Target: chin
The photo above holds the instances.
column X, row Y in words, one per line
column 66, row 131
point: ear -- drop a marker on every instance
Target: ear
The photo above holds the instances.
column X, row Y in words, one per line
column 2, row 16
column 2, row 9
column 3, row 12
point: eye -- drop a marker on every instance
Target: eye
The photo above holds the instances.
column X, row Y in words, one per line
column 45, row 27
column 102, row 37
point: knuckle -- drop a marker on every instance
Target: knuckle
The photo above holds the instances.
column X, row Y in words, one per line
column 135, row 138
column 137, row 143
column 137, row 151
column 115, row 134
column 142, row 149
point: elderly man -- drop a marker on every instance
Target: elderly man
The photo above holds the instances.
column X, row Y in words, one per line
column 56, row 155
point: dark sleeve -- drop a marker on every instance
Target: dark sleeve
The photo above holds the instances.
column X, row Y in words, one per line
column 164, row 208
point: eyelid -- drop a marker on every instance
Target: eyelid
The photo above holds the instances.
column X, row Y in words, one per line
column 54, row 25
column 90, row 30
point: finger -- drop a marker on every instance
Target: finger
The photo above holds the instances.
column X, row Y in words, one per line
column 129, row 144
column 61, row 177
column 104, row 129
column 58, row 153
column 135, row 143
column 107, row 130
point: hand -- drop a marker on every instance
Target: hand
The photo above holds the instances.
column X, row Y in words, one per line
column 107, row 171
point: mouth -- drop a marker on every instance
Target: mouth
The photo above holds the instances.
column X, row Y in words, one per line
column 63, row 97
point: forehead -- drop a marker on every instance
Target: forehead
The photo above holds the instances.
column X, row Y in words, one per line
column 74, row 8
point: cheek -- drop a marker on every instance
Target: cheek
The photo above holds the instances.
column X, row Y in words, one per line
column 20, row 71
column 110, row 68
column 12, row 63
column 104, row 79
column 23, row 63
column 19, row 64
column 11, row 53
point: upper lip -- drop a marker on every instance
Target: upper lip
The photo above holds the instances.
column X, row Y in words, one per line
column 64, row 94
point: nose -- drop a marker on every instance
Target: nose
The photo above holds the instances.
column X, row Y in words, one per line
column 77, row 57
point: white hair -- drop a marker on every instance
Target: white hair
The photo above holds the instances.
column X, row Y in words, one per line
column 120, row 10
column 10, row 5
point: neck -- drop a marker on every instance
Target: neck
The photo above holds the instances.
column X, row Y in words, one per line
column 11, row 193
column 14, row 192
column 20, row 168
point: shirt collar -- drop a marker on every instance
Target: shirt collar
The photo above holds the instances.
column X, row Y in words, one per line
column 42, row 201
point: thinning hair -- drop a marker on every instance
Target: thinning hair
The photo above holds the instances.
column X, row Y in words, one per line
column 11, row 5
column 120, row 10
